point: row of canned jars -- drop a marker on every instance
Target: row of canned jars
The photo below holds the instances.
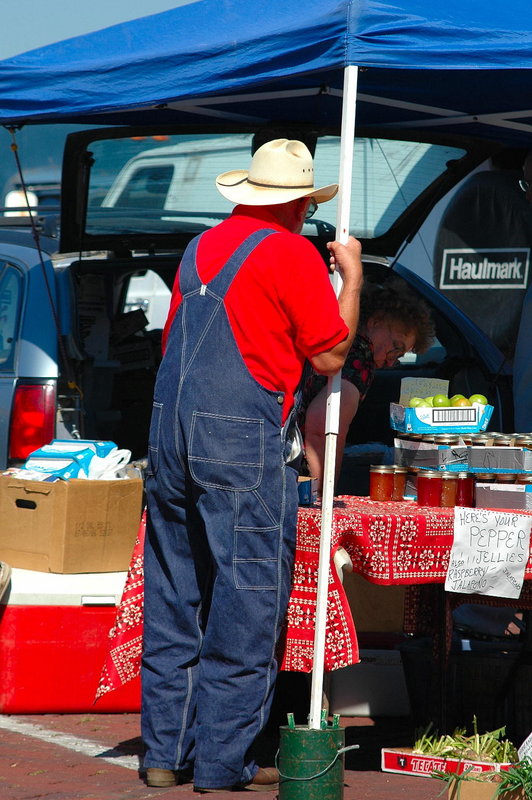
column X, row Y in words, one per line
column 491, row 439
column 442, row 488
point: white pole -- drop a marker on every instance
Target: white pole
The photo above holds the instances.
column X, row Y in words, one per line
column 333, row 401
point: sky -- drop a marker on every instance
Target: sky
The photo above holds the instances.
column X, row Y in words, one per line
column 27, row 24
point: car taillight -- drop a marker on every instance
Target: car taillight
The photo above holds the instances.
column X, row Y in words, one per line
column 33, row 419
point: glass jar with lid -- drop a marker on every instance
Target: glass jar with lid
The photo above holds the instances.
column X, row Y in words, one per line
column 465, row 490
column 506, row 477
column 484, row 477
column 481, row 439
column 448, row 488
column 399, row 482
column 450, row 439
column 429, row 484
column 504, row 440
column 381, row 482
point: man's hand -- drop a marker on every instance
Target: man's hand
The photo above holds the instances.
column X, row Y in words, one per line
column 347, row 259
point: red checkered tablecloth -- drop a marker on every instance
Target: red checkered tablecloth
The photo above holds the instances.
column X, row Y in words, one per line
column 389, row 544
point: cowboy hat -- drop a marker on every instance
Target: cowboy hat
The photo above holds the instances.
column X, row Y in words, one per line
column 280, row 171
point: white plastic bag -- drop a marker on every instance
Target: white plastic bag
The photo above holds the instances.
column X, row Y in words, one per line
column 108, row 467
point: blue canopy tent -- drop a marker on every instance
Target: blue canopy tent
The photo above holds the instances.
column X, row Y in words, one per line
column 460, row 67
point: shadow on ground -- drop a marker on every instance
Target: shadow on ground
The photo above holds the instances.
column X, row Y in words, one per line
column 383, row 732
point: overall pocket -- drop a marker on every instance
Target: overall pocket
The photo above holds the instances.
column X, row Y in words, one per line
column 257, row 537
column 226, row 452
column 256, row 558
column 154, row 437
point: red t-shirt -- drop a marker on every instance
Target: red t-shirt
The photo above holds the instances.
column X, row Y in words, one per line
column 281, row 305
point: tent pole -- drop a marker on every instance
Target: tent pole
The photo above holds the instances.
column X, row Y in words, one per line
column 333, row 401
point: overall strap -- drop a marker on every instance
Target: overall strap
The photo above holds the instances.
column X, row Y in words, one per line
column 188, row 275
column 189, row 280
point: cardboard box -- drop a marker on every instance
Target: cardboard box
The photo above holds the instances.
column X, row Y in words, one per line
column 447, row 419
column 376, row 608
column 376, row 686
column 53, row 644
column 498, row 495
column 463, row 419
column 69, row 526
column 430, row 455
column 500, row 459
column 481, row 790
column 406, row 762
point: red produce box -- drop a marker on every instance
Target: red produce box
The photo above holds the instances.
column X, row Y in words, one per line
column 403, row 760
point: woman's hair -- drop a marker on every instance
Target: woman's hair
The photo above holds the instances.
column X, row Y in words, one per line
column 394, row 301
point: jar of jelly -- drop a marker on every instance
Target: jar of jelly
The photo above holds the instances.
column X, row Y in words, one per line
column 465, row 490
column 481, row 439
column 448, row 488
column 411, row 483
column 503, row 440
column 429, row 484
column 399, row 483
column 506, row 477
column 450, row 439
column 381, row 478
column 485, row 477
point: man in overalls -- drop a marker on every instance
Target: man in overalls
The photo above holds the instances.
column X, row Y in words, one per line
column 252, row 302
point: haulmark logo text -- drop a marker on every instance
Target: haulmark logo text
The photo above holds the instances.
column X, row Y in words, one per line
column 485, row 268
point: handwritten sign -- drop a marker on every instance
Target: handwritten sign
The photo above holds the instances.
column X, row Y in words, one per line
column 489, row 553
column 525, row 751
column 421, row 387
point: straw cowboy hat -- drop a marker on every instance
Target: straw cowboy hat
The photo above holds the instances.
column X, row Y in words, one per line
column 281, row 170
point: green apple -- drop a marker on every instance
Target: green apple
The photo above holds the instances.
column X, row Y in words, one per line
column 460, row 401
column 440, row 401
column 415, row 401
column 456, row 396
column 429, row 401
column 424, row 404
column 478, row 398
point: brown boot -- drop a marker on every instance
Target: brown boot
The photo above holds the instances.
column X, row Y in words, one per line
column 265, row 780
column 162, row 778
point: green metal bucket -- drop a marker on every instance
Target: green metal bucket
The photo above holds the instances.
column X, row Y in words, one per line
column 311, row 763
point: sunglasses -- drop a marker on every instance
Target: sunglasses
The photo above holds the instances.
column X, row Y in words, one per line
column 524, row 185
column 311, row 210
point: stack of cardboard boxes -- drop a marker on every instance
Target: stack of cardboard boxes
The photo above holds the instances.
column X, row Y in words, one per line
column 69, row 544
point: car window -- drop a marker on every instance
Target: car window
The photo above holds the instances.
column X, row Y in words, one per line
column 388, row 176
column 10, row 295
column 147, row 187
column 167, row 184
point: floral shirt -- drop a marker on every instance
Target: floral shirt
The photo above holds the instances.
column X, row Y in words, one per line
column 359, row 369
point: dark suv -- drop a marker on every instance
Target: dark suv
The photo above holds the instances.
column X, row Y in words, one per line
column 78, row 355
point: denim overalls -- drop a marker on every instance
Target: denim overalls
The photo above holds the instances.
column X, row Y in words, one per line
column 222, row 515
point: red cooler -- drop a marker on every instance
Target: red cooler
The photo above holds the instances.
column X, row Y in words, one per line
column 53, row 643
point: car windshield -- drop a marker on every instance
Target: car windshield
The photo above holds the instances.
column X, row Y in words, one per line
column 165, row 184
